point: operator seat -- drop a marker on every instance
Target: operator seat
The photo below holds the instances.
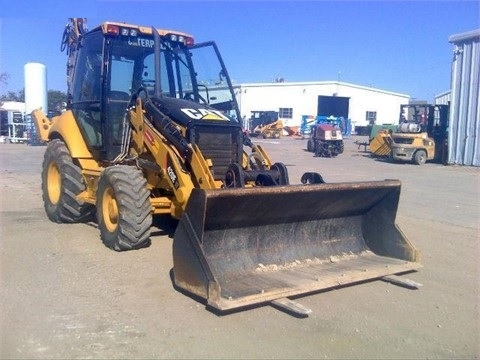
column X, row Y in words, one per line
column 117, row 104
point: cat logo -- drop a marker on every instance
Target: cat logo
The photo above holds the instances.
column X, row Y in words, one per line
column 205, row 114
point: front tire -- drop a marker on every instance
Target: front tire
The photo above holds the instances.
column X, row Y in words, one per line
column 62, row 181
column 123, row 208
column 420, row 157
column 341, row 147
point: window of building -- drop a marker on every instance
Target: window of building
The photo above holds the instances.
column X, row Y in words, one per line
column 371, row 117
column 285, row 113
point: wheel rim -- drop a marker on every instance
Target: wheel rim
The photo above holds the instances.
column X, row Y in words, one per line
column 54, row 183
column 110, row 210
column 422, row 157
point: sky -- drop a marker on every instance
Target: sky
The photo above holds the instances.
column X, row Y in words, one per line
column 398, row 46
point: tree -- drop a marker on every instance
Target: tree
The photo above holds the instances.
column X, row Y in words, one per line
column 3, row 81
column 13, row 96
column 55, row 100
column 4, row 78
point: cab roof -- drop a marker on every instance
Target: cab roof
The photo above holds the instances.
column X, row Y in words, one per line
column 147, row 30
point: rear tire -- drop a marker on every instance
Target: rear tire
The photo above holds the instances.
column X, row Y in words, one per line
column 420, row 157
column 62, row 181
column 310, row 146
column 123, row 208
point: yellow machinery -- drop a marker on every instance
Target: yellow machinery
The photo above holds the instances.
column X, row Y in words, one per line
column 403, row 146
column 266, row 124
column 380, row 144
column 416, row 147
column 420, row 136
column 149, row 130
column 271, row 131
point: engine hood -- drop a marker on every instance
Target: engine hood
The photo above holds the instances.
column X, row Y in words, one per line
column 187, row 112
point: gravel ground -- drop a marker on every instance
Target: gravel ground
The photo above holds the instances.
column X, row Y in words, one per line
column 63, row 294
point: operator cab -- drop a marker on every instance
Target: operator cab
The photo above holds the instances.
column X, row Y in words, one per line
column 117, row 61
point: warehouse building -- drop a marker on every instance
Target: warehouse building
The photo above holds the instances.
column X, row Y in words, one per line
column 362, row 105
column 464, row 124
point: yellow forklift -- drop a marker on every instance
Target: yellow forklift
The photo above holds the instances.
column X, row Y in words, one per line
column 421, row 134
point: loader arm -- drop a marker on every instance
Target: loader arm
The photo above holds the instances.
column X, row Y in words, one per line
column 177, row 163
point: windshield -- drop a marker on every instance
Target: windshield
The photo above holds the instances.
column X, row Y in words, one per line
column 195, row 73
column 212, row 79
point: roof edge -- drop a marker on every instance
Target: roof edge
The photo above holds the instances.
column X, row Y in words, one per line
column 464, row 36
column 306, row 83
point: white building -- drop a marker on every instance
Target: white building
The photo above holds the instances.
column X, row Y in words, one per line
column 363, row 105
column 12, row 106
column 443, row 98
column 12, row 126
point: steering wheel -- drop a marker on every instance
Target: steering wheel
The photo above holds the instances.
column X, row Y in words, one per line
column 189, row 96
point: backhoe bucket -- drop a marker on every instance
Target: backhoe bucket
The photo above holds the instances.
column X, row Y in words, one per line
column 238, row 247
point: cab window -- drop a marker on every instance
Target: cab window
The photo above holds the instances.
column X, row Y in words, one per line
column 87, row 89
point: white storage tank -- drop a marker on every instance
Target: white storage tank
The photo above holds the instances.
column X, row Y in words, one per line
column 35, row 87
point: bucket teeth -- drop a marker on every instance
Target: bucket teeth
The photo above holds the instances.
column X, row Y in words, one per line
column 291, row 306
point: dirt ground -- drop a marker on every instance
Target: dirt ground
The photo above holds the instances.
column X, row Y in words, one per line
column 63, row 294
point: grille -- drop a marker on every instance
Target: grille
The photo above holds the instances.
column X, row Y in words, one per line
column 220, row 144
column 399, row 140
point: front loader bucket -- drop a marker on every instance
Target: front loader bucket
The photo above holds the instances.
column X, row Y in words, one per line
column 238, row 247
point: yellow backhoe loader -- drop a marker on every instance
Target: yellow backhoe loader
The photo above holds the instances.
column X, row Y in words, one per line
column 150, row 128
